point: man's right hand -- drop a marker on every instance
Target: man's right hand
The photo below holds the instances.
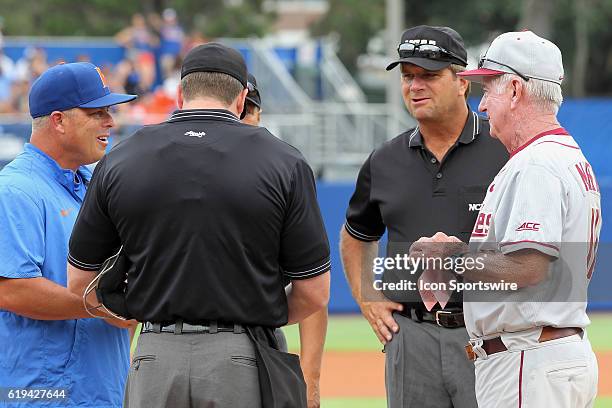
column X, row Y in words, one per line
column 357, row 259
column 380, row 316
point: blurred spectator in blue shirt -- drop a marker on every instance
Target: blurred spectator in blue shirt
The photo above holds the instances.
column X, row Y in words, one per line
column 7, row 75
column 171, row 41
column 139, row 42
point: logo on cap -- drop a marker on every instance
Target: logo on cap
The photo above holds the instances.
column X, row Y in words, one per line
column 102, row 77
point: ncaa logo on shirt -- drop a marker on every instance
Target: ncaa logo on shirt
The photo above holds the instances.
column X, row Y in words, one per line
column 474, row 207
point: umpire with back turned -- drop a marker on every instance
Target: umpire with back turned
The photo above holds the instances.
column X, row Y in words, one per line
column 212, row 214
column 430, row 178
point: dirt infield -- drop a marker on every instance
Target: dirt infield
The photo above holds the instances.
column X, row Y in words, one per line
column 353, row 374
column 362, row 374
column 605, row 373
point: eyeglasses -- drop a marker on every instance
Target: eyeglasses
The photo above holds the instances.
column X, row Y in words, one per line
column 483, row 59
column 425, row 51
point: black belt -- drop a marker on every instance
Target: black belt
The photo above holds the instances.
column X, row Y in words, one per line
column 450, row 319
column 180, row 327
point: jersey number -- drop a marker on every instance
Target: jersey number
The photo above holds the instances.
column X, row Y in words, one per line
column 483, row 223
column 594, row 230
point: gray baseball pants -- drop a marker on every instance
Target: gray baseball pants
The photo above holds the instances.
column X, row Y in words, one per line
column 426, row 367
column 193, row 370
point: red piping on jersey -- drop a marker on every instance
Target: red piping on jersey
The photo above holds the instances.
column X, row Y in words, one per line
column 559, row 143
column 521, row 380
column 526, row 240
column 557, row 131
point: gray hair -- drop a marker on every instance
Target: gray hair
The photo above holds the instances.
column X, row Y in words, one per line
column 215, row 85
column 40, row 123
column 43, row 122
column 456, row 68
column 545, row 94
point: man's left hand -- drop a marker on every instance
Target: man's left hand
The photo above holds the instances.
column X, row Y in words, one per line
column 433, row 280
column 313, row 393
column 439, row 245
column 122, row 324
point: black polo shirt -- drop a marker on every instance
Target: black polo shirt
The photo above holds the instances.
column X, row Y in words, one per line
column 404, row 189
column 213, row 215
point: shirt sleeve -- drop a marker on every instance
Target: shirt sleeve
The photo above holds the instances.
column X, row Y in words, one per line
column 304, row 246
column 22, row 235
column 94, row 237
column 532, row 214
column 363, row 218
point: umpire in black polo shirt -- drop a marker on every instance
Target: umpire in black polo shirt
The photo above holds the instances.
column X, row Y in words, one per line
column 212, row 214
column 428, row 179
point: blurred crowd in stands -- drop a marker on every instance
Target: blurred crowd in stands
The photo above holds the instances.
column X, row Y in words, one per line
column 154, row 46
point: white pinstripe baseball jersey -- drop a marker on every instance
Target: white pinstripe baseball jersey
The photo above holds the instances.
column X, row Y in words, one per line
column 545, row 198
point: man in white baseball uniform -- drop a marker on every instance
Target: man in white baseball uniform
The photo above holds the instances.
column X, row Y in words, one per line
column 538, row 228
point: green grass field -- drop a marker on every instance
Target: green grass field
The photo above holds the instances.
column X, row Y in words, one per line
column 352, row 333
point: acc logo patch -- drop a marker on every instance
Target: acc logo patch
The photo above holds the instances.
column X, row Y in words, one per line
column 529, row 226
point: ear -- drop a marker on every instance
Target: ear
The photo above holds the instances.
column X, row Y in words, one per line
column 241, row 101
column 179, row 96
column 463, row 86
column 517, row 89
column 57, row 120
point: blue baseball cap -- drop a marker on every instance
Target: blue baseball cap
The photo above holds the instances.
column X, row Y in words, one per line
column 74, row 85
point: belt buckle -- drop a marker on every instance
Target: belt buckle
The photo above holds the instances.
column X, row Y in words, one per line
column 474, row 350
column 469, row 350
column 438, row 313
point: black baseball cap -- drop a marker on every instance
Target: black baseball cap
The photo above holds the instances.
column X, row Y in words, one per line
column 253, row 96
column 215, row 57
column 431, row 48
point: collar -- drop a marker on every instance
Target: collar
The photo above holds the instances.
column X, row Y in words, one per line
column 66, row 177
column 557, row 131
column 472, row 127
column 202, row 114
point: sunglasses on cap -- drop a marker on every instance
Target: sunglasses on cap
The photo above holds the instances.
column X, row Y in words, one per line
column 483, row 59
column 252, row 89
column 430, row 51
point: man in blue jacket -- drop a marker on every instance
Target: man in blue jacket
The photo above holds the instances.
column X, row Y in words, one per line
column 47, row 356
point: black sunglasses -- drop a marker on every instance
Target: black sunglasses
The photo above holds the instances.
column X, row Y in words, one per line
column 425, row 51
column 483, row 59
